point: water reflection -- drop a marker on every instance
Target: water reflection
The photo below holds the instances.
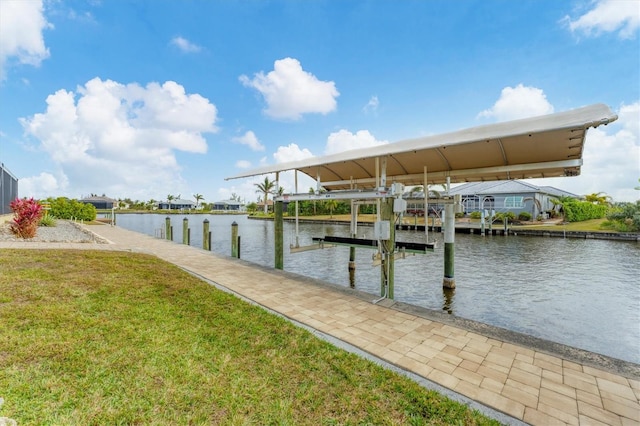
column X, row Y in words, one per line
column 448, row 296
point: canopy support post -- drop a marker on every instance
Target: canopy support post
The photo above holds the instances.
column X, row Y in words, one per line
column 297, row 212
column 278, row 230
column 354, row 234
column 426, row 207
column 449, row 235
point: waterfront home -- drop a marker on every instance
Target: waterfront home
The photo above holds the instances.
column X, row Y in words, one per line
column 177, row 204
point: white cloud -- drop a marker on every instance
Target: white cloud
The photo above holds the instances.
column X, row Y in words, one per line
column 372, row 105
column 611, row 159
column 291, row 152
column 344, row 140
column 121, row 139
column 519, row 102
column 43, row 185
column 185, row 45
column 290, row 91
column 21, row 39
column 607, row 16
column 243, row 164
column 249, row 139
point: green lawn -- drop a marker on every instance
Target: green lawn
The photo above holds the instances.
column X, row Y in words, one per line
column 594, row 225
column 95, row 338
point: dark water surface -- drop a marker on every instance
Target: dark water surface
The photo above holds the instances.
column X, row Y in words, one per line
column 582, row 293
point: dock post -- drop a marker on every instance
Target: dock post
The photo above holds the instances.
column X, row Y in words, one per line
column 167, row 228
column 206, row 239
column 234, row 240
column 482, row 219
column 352, row 250
column 279, row 239
column 388, row 261
column 185, row 231
column 449, row 235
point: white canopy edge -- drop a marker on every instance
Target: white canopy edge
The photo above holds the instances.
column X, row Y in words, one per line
column 581, row 118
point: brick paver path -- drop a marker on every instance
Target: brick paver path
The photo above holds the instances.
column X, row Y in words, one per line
column 529, row 385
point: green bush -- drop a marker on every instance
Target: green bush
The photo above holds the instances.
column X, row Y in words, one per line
column 459, row 215
column 64, row 208
column 524, row 216
column 500, row 217
column 624, row 217
column 475, row 215
column 578, row 211
column 47, row 220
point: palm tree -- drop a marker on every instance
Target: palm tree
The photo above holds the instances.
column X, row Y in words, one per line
column 313, row 191
column 170, row 198
column 416, row 190
column 558, row 203
column 598, row 198
column 198, row 198
column 265, row 188
column 331, row 205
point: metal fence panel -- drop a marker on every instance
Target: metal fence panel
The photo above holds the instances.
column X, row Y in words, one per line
column 8, row 189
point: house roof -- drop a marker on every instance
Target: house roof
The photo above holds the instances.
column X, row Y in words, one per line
column 545, row 146
column 98, row 199
column 505, row 187
column 178, row 201
column 229, row 202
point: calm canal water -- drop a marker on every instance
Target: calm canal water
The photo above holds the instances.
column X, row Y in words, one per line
column 582, row 293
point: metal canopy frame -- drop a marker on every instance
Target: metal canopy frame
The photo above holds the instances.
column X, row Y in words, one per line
column 544, row 146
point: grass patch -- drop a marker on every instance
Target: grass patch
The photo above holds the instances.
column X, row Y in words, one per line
column 593, row 225
column 91, row 337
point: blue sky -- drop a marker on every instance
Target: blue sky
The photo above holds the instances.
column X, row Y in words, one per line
column 142, row 99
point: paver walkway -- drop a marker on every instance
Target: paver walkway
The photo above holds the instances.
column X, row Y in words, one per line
column 526, row 384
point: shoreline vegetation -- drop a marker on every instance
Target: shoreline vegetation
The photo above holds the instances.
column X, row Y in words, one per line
column 93, row 337
column 552, row 225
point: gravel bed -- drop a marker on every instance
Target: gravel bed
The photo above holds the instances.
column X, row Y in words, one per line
column 64, row 232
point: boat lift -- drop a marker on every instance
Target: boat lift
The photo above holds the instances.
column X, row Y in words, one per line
column 550, row 145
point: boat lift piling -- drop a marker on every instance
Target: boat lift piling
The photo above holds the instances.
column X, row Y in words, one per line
column 390, row 207
column 545, row 146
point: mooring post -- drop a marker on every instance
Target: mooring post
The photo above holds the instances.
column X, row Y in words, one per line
column 449, row 234
column 205, row 235
column 482, row 219
column 354, row 224
column 234, row 240
column 185, row 231
column 167, row 228
column 279, row 238
column 388, row 261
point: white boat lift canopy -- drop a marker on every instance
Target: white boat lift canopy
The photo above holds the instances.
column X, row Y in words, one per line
column 538, row 147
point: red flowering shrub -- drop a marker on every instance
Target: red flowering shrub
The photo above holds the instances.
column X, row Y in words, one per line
column 27, row 214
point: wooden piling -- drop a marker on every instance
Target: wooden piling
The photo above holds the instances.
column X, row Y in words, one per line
column 279, row 237
column 449, row 234
column 167, row 228
column 206, row 235
column 235, row 249
column 388, row 263
column 185, row 231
